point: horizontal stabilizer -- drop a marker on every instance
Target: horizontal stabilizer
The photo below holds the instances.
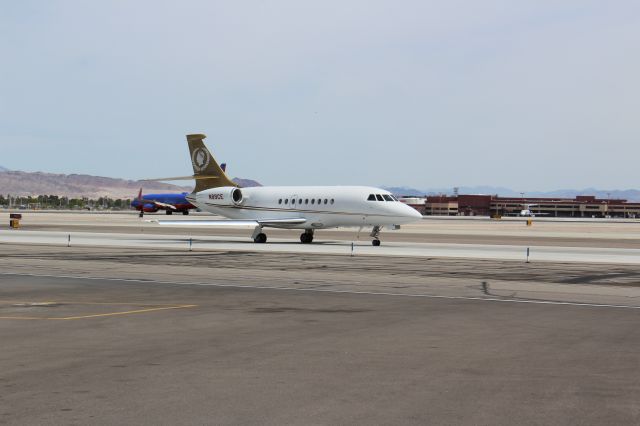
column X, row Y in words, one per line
column 192, row 177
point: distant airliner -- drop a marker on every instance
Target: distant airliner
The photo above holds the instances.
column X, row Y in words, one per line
column 289, row 207
column 151, row 203
column 526, row 212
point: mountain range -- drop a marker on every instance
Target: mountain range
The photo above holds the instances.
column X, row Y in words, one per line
column 74, row 185
column 18, row 183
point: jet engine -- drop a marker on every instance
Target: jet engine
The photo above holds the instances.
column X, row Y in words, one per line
column 236, row 196
column 150, row 208
column 224, row 195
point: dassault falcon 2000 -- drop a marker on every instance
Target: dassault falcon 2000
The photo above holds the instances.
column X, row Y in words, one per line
column 289, row 207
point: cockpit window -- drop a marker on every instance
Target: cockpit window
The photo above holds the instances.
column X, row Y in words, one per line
column 387, row 197
column 372, row 197
column 394, row 198
column 379, row 197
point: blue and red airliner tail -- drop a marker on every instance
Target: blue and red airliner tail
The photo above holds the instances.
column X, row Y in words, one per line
column 151, row 203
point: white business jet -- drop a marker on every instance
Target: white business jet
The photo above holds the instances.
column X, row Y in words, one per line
column 289, row 207
column 526, row 212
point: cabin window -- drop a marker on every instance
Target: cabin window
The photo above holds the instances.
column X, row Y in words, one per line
column 306, row 201
column 280, row 201
column 300, row 201
column 326, row 201
column 332, row 201
column 286, row 201
column 372, row 197
column 319, row 201
column 293, row 201
column 387, row 197
column 379, row 197
column 313, row 201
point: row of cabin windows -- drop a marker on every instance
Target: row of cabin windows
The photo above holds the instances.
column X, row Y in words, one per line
column 381, row 197
column 306, row 201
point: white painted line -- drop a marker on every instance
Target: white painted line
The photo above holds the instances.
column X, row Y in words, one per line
column 372, row 293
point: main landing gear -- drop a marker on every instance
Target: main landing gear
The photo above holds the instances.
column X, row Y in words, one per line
column 168, row 212
column 259, row 236
column 375, row 233
column 307, row 236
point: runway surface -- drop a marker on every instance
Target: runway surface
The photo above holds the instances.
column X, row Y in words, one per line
column 509, row 240
column 129, row 327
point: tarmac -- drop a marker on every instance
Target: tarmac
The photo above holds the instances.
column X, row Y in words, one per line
column 127, row 326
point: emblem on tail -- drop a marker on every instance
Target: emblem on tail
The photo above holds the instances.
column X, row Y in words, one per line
column 200, row 159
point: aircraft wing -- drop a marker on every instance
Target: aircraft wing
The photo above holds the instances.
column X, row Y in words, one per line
column 164, row 205
column 230, row 222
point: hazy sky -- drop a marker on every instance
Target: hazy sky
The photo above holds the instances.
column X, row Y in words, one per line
column 524, row 94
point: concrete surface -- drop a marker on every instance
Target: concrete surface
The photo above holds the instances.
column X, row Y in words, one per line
column 233, row 355
column 336, row 247
column 621, row 234
column 131, row 328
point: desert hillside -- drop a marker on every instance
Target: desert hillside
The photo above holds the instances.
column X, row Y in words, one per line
column 18, row 183
column 39, row 183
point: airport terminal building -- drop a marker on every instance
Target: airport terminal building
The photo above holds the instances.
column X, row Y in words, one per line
column 493, row 205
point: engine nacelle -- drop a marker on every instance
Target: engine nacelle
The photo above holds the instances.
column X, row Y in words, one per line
column 150, row 208
column 225, row 195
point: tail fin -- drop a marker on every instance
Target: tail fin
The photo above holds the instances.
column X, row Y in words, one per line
column 206, row 171
column 140, row 195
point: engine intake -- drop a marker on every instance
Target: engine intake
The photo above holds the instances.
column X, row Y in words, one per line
column 236, row 196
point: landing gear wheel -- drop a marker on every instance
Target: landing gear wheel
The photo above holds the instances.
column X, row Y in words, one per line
column 169, row 212
column 260, row 238
column 375, row 243
column 306, row 238
column 185, row 212
column 141, row 214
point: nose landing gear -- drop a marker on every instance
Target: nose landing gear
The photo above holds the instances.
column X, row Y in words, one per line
column 375, row 233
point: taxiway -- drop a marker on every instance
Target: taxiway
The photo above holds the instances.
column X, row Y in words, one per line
column 126, row 325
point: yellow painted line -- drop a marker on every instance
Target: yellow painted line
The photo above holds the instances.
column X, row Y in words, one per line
column 137, row 311
column 24, row 318
column 108, row 314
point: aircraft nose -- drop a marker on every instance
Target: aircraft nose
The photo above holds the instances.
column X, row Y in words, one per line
column 411, row 213
column 415, row 213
